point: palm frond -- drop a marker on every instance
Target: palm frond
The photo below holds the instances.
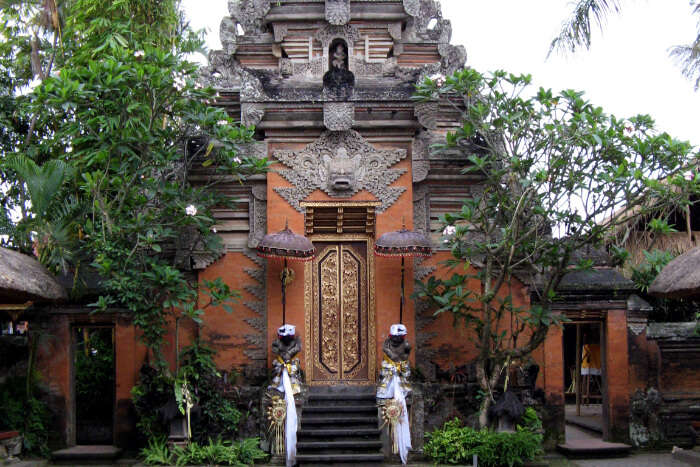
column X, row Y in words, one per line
column 576, row 30
column 687, row 57
column 43, row 182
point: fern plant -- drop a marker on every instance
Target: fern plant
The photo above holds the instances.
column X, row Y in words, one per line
column 157, row 453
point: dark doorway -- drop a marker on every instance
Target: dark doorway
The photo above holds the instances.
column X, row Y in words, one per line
column 93, row 370
column 584, row 376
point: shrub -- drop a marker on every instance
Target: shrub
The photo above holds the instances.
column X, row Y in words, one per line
column 244, row 452
column 455, row 444
column 156, row 453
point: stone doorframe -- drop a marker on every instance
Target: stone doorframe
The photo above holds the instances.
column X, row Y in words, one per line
column 371, row 319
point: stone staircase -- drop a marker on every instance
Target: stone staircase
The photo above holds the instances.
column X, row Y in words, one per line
column 339, row 425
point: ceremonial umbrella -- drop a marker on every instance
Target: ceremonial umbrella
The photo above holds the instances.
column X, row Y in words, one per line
column 403, row 243
column 287, row 245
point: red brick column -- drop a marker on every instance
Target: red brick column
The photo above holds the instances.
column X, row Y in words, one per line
column 553, row 378
column 617, row 378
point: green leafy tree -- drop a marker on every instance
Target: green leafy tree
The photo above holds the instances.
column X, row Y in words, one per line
column 115, row 131
column 554, row 168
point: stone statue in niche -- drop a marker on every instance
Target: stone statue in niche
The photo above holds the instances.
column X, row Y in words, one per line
column 340, row 57
column 341, row 171
column 338, row 80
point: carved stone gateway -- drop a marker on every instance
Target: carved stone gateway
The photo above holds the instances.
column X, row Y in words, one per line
column 340, row 164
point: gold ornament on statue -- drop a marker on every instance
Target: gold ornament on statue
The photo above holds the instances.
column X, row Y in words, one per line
column 276, row 414
column 391, row 413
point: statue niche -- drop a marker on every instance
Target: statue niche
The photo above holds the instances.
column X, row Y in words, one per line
column 338, row 80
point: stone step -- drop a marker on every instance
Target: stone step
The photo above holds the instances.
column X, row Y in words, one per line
column 338, row 420
column 364, row 445
column 354, row 459
column 338, row 432
column 329, row 408
column 593, row 448
column 83, row 454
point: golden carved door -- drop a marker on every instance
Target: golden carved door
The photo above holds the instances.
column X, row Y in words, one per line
column 339, row 314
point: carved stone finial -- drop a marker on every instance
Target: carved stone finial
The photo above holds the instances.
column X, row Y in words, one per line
column 338, row 116
column 338, row 12
column 250, row 14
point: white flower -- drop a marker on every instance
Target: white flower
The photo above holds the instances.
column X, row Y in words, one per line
column 213, row 229
column 139, row 53
column 237, row 160
column 179, row 83
column 437, row 78
column 689, row 175
column 222, row 122
column 191, row 210
column 449, row 230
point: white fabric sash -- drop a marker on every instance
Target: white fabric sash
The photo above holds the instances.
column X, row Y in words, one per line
column 290, row 427
column 402, row 431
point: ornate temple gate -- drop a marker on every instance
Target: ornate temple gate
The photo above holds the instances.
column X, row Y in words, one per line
column 340, row 347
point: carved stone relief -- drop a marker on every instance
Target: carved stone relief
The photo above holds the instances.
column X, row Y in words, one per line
column 421, row 208
column 251, row 87
column 341, row 164
column 426, row 22
column 338, row 12
column 311, row 69
column 361, row 67
column 412, row 7
column 427, row 113
column 257, row 215
column 229, row 35
column 251, row 114
column 250, row 14
column 453, row 57
column 338, row 116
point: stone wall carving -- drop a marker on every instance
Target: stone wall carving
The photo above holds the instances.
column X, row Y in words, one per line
column 257, row 341
column 421, row 209
column 338, row 116
column 427, row 113
column 453, row 57
column 327, row 33
column 250, row 14
column 251, row 114
column 361, row 67
column 341, row 164
column 338, row 12
column 257, row 215
column 228, row 34
column 426, row 22
column 311, row 69
column 412, row 7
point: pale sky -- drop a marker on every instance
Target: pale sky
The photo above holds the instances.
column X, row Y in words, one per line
column 627, row 71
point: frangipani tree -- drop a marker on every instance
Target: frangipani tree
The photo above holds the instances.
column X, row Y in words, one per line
column 554, row 170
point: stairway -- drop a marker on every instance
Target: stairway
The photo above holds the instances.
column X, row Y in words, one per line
column 339, row 425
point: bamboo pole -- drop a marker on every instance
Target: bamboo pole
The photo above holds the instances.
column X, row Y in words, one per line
column 578, row 369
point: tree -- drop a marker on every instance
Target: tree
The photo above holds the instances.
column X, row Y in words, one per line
column 554, row 169
column 120, row 112
column 576, row 32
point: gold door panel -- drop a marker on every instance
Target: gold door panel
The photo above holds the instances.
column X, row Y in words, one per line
column 339, row 322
